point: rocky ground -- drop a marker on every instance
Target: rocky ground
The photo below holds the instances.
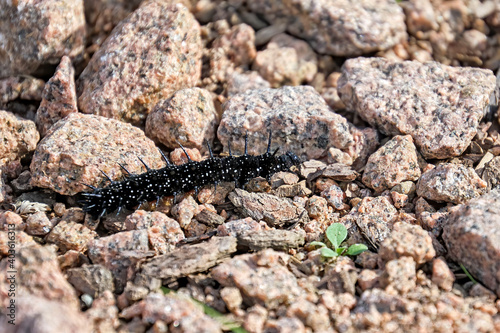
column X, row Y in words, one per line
column 392, row 107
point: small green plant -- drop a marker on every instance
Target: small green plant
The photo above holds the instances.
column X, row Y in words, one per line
column 336, row 234
column 468, row 274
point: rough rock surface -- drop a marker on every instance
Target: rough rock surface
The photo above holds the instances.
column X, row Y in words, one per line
column 371, row 220
column 38, row 274
column 71, row 236
column 300, row 119
column 163, row 232
column 120, row 253
column 391, row 164
column 439, row 106
column 76, row 149
column 181, row 315
column 59, row 97
column 274, row 239
column 16, row 90
column 18, row 136
column 286, row 61
column 407, row 240
column 91, row 279
column 450, row 182
column 472, row 237
column 151, row 54
column 262, row 206
column 238, row 83
column 188, row 117
column 48, row 30
column 190, row 259
column 340, row 27
column 265, row 269
column 38, row 314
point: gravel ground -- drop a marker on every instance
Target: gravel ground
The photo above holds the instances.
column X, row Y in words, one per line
column 391, row 106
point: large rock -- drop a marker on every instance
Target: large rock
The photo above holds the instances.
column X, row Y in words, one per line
column 37, row 33
column 472, row 236
column 151, row 54
column 439, row 106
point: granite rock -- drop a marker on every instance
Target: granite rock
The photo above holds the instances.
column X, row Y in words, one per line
column 472, row 237
column 286, row 61
column 340, row 27
column 47, row 30
column 407, row 240
column 393, row 163
column 18, row 136
column 58, row 98
column 79, row 146
column 450, row 182
column 300, row 119
column 266, row 269
column 180, row 314
column 439, row 106
column 151, row 54
column 188, row 117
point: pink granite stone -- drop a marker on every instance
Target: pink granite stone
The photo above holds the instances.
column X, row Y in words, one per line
column 439, row 106
column 18, row 136
column 340, row 27
column 188, row 117
column 38, row 33
column 58, row 98
column 391, row 164
column 151, row 54
column 450, row 182
column 78, row 147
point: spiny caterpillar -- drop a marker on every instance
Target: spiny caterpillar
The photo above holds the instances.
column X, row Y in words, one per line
column 177, row 179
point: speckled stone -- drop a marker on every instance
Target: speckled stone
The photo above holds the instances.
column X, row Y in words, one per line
column 275, row 211
column 71, row 236
column 103, row 15
column 439, row 106
column 407, row 240
column 300, row 119
column 59, row 97
column 238, row 45
column 181, row 314
column 120, row 253
column 37, row 33
column 188, row 117
column 151, row 54
column 266, row 269
column 38, row 274
column 39, row 314
column 450, row 182
column 18, row 136
column 472, row 237
column 23, row 87
column 339, row 27
column 399, row 275
column 237, row 227
column 370, row 221
column 442, row 274
column 238, row 83
column 391, row 164
column 163, row 232
column 79, row 146
column 286, row 61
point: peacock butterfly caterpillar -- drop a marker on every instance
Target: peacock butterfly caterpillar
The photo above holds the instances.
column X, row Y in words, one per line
column 175, row 179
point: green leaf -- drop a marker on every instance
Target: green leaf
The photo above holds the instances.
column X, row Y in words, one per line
column 467, row 273
column 340, row 251
column 317, row 244
column 356, row 249
column 328, row 253
column 336, row 234
column 165, row 290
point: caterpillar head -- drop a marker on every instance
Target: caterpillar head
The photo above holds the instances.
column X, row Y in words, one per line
column 287, row 160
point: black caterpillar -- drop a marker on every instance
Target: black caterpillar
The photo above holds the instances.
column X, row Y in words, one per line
column 176, row 179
